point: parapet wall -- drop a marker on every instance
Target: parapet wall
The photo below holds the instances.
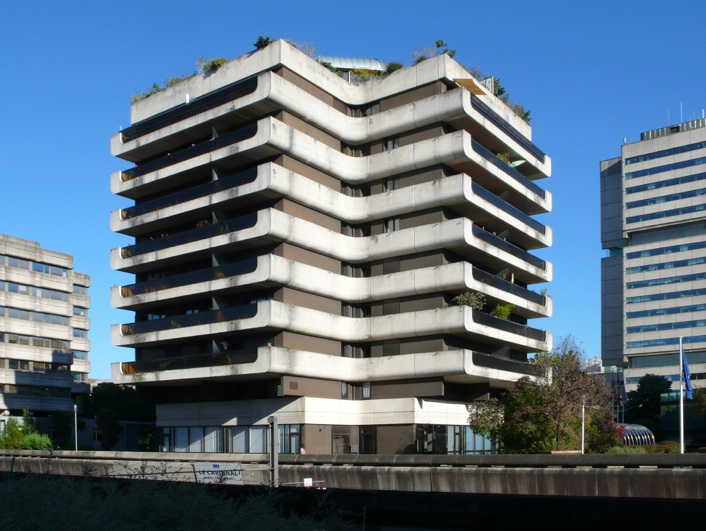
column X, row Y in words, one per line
column 610, row 476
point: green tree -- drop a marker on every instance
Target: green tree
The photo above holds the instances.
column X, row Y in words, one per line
column 12, row 437
column 643, row 403
column 16, row 436
column 109, row 404
column 544, row 413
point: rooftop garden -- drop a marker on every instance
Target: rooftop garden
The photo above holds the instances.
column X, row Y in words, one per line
column 210, row 65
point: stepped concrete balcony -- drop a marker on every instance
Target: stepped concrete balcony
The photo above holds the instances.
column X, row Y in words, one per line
column 279, row 53
column 269, row 270
column 269, row 137
column 268, row 226
column 273, row 315
column 269, row 93
column 245, row 188
column 457, row 366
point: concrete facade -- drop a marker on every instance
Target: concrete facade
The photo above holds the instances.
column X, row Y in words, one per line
column 653, row 215
column 299, row 240
column 44, row 328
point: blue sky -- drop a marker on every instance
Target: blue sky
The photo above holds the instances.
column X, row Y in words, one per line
column 592, row 74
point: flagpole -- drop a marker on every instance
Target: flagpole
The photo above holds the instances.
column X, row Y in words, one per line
column 681, row 396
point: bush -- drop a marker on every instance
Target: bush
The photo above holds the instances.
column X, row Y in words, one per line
column 37, row 441
column 626, row 450
column 666, row 447
column 502, row 311
column 474, row 299
column 394, row 66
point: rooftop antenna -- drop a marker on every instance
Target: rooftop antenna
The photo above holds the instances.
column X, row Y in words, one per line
column 681, row 113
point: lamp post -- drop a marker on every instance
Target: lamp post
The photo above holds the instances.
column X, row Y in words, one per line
column 583, row 424
column 75, row 427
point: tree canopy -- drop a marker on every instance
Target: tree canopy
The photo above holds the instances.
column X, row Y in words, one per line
column 543, row 413
column 110, row 403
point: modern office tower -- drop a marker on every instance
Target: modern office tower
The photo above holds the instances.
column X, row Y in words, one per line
column 43, row 330
column 653, row 214
column 299, row 240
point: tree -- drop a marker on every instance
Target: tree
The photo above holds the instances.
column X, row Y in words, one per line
column 643, row 403
column 109, row 404
column 544, row 413
column 16, row 436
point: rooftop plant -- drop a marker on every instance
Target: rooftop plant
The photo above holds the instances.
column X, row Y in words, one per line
column 203, row 66
column 261, row 42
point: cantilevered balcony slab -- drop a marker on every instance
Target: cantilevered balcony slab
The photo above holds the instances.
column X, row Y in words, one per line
column 270, row 92
column 270, row 180
column 272, row 270
column 270, row 136
column 271, row 225
column 457, row 366
column 273, row 315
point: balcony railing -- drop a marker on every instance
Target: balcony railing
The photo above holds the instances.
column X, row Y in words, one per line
column 508, row 326
column 491, row 115
column 191, row 152
column 508, row 208
column 194, row 277
column 196, row 192
column 190, row 362
column 509, row 287
column 235, row 313
column 508, row 247
column 506, row 168
column 503, row 364
column 188, row 236
column 194, row 107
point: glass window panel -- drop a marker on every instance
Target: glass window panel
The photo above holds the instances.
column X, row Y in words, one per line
column 258, row 439
column 211, row 439
column 181, row 439
column 195, row 439
column 239, row 440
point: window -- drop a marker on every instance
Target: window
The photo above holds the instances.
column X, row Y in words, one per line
column 79, row 333
column 17, row 262
column 211, row 439
column 238, row 439
column 289, row 438
column 258, row 440
column 366, row 390
column 663, row 281
column 666, row 167
column 665, row 152
column 80, row 290
column 81, row 312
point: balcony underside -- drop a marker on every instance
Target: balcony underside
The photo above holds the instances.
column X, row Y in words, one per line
column 455, row 366
column 273, row 316
column 273, row 226
column 274, row 271
column 269, row 181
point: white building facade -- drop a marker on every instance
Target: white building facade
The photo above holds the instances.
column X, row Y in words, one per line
column 653, row 211
column 44, row 329
column 299, row 241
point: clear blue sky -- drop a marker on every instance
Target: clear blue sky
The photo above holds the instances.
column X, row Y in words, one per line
column 592, row 73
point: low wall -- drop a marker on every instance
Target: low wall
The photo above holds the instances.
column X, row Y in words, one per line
column 611, row 476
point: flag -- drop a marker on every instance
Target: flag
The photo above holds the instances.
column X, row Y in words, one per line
column 686, row 375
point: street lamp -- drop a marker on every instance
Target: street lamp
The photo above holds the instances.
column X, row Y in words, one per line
column 75, row 427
